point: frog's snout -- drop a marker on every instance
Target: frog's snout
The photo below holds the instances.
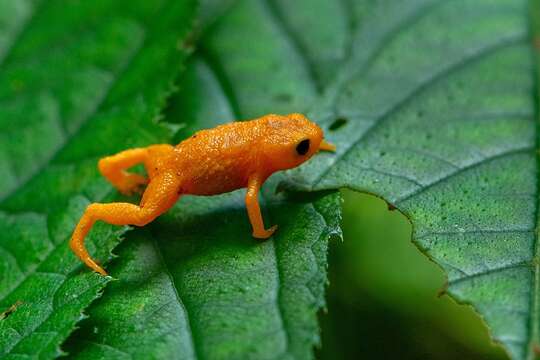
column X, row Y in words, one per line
column 326, row 146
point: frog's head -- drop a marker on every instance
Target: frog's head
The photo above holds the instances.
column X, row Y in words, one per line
column 290, row 140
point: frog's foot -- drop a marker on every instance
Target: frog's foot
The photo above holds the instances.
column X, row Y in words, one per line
column 159, row 196
column 265, row 234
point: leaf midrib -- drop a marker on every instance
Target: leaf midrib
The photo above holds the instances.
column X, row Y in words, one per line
column 223, row 81
column 194, row 343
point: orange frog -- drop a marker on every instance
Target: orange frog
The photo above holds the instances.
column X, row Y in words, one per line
column 214, row 161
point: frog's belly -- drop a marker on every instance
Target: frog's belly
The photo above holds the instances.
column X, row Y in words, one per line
column 215, row 180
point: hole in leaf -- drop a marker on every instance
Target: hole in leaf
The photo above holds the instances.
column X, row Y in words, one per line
column 286, row 98
column 338, row 124
column 378, row 257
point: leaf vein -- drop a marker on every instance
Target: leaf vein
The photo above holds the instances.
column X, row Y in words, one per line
column 473, row 232
column 275, row 15
column 20, row 32
column 464, row 169
column 385, row 40
column 521, row 264
column 431, row 80
column 130, row 57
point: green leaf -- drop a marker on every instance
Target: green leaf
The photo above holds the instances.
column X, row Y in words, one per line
column 432, row 106
column 77, row 80
column 195, row 284
column 439, row 102
column 198, row 286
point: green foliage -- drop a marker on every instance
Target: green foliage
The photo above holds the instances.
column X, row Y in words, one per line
column 439, row 104
column 432, row 106
column 382, row 287
column 197, row 285
column 215, row 292
column 460, row 116
column 78, row 80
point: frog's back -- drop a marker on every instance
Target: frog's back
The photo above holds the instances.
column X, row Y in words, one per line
column 218, row 160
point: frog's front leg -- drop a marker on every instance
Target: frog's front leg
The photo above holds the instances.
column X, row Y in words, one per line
column 254, row 211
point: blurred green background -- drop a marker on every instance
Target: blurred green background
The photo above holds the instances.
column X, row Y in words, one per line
column 383, row 298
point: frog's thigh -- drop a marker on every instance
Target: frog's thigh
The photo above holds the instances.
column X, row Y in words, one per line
column 158, row 159
column 158, row 197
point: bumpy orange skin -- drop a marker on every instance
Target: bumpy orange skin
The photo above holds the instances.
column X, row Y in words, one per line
column 213, row 161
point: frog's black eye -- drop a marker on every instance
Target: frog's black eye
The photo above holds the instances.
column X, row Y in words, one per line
column 303, row 147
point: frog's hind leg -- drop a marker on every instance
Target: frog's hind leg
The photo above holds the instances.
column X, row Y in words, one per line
column 114, row 167
column 159, row 196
